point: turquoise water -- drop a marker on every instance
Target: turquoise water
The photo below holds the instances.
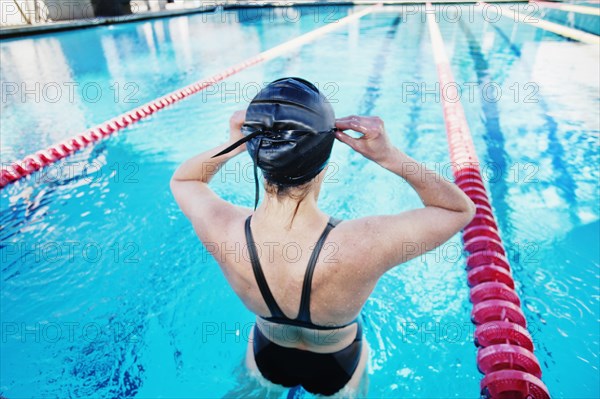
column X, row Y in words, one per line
column 105, row 290
column 586, row 22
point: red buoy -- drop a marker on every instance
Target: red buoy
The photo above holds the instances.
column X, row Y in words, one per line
column 479, row 244
column 114, row 126
column 483, row 220
column 18, row 170
column 483, row 274
column 96, row 134
column 507, row 357
column 475, row 191
column 58, row 154
column 483, row 258
column 480, row 231
column 45, row 158
column 513, row 384
column 502, row 332
column 496, row 309
column 84, row 138
column 493, row 290
column 467, row 177
column 7, row 177
column 483, row 210
column 31, row 164
column 75, row 143
column 466, row 184
column 105, row 130
column 461, row 153
column 466, row 170
column 480, row 200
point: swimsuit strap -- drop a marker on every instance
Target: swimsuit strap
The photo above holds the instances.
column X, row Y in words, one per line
column 304, row 312
column 276, row 312
column 259, row 275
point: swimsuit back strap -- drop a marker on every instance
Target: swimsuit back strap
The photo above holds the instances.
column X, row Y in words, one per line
column 259, row 275
column 304, row 313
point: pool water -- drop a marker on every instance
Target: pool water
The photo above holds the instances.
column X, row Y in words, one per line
column 586, row 22
column 106, row 291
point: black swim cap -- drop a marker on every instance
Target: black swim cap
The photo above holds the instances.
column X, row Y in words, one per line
column 289, row 132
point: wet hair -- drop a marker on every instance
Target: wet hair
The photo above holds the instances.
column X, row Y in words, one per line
column 296, row 192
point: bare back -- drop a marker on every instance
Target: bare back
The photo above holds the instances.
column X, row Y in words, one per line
column 341, row 282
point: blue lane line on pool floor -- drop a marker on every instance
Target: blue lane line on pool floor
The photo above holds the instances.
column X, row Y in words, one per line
column 416, row 102
column 370, row 97
column 493, row 137
column 563, row 179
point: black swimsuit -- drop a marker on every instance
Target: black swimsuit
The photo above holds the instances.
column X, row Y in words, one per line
column 318, row 373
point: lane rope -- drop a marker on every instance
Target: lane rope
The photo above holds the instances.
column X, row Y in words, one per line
column 505, row 355
column 17, row 170
column 559, row 29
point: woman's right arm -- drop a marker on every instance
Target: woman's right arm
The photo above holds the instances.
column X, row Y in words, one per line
column 398, row 238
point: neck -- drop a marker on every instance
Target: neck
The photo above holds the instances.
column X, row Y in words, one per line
column 288, row 210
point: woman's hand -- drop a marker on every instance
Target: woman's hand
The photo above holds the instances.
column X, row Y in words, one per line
column 374, row 143
column 235, row 128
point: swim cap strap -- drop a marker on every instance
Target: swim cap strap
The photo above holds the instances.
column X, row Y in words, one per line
column 256, row 194
column 255, row 158
column 238, row 143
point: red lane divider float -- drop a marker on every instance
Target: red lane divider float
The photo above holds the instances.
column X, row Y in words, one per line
column 505, row 355
column 34, row 162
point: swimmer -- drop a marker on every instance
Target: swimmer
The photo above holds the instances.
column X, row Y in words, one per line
column 308, row 330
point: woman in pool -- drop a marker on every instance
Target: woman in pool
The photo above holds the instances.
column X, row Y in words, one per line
column 308, row 329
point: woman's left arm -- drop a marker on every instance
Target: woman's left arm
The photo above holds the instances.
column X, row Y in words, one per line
column 189, row 183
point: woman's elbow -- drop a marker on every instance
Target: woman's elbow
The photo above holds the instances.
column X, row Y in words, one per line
column 173, row 181
column 469, row 211
column 176, row 185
